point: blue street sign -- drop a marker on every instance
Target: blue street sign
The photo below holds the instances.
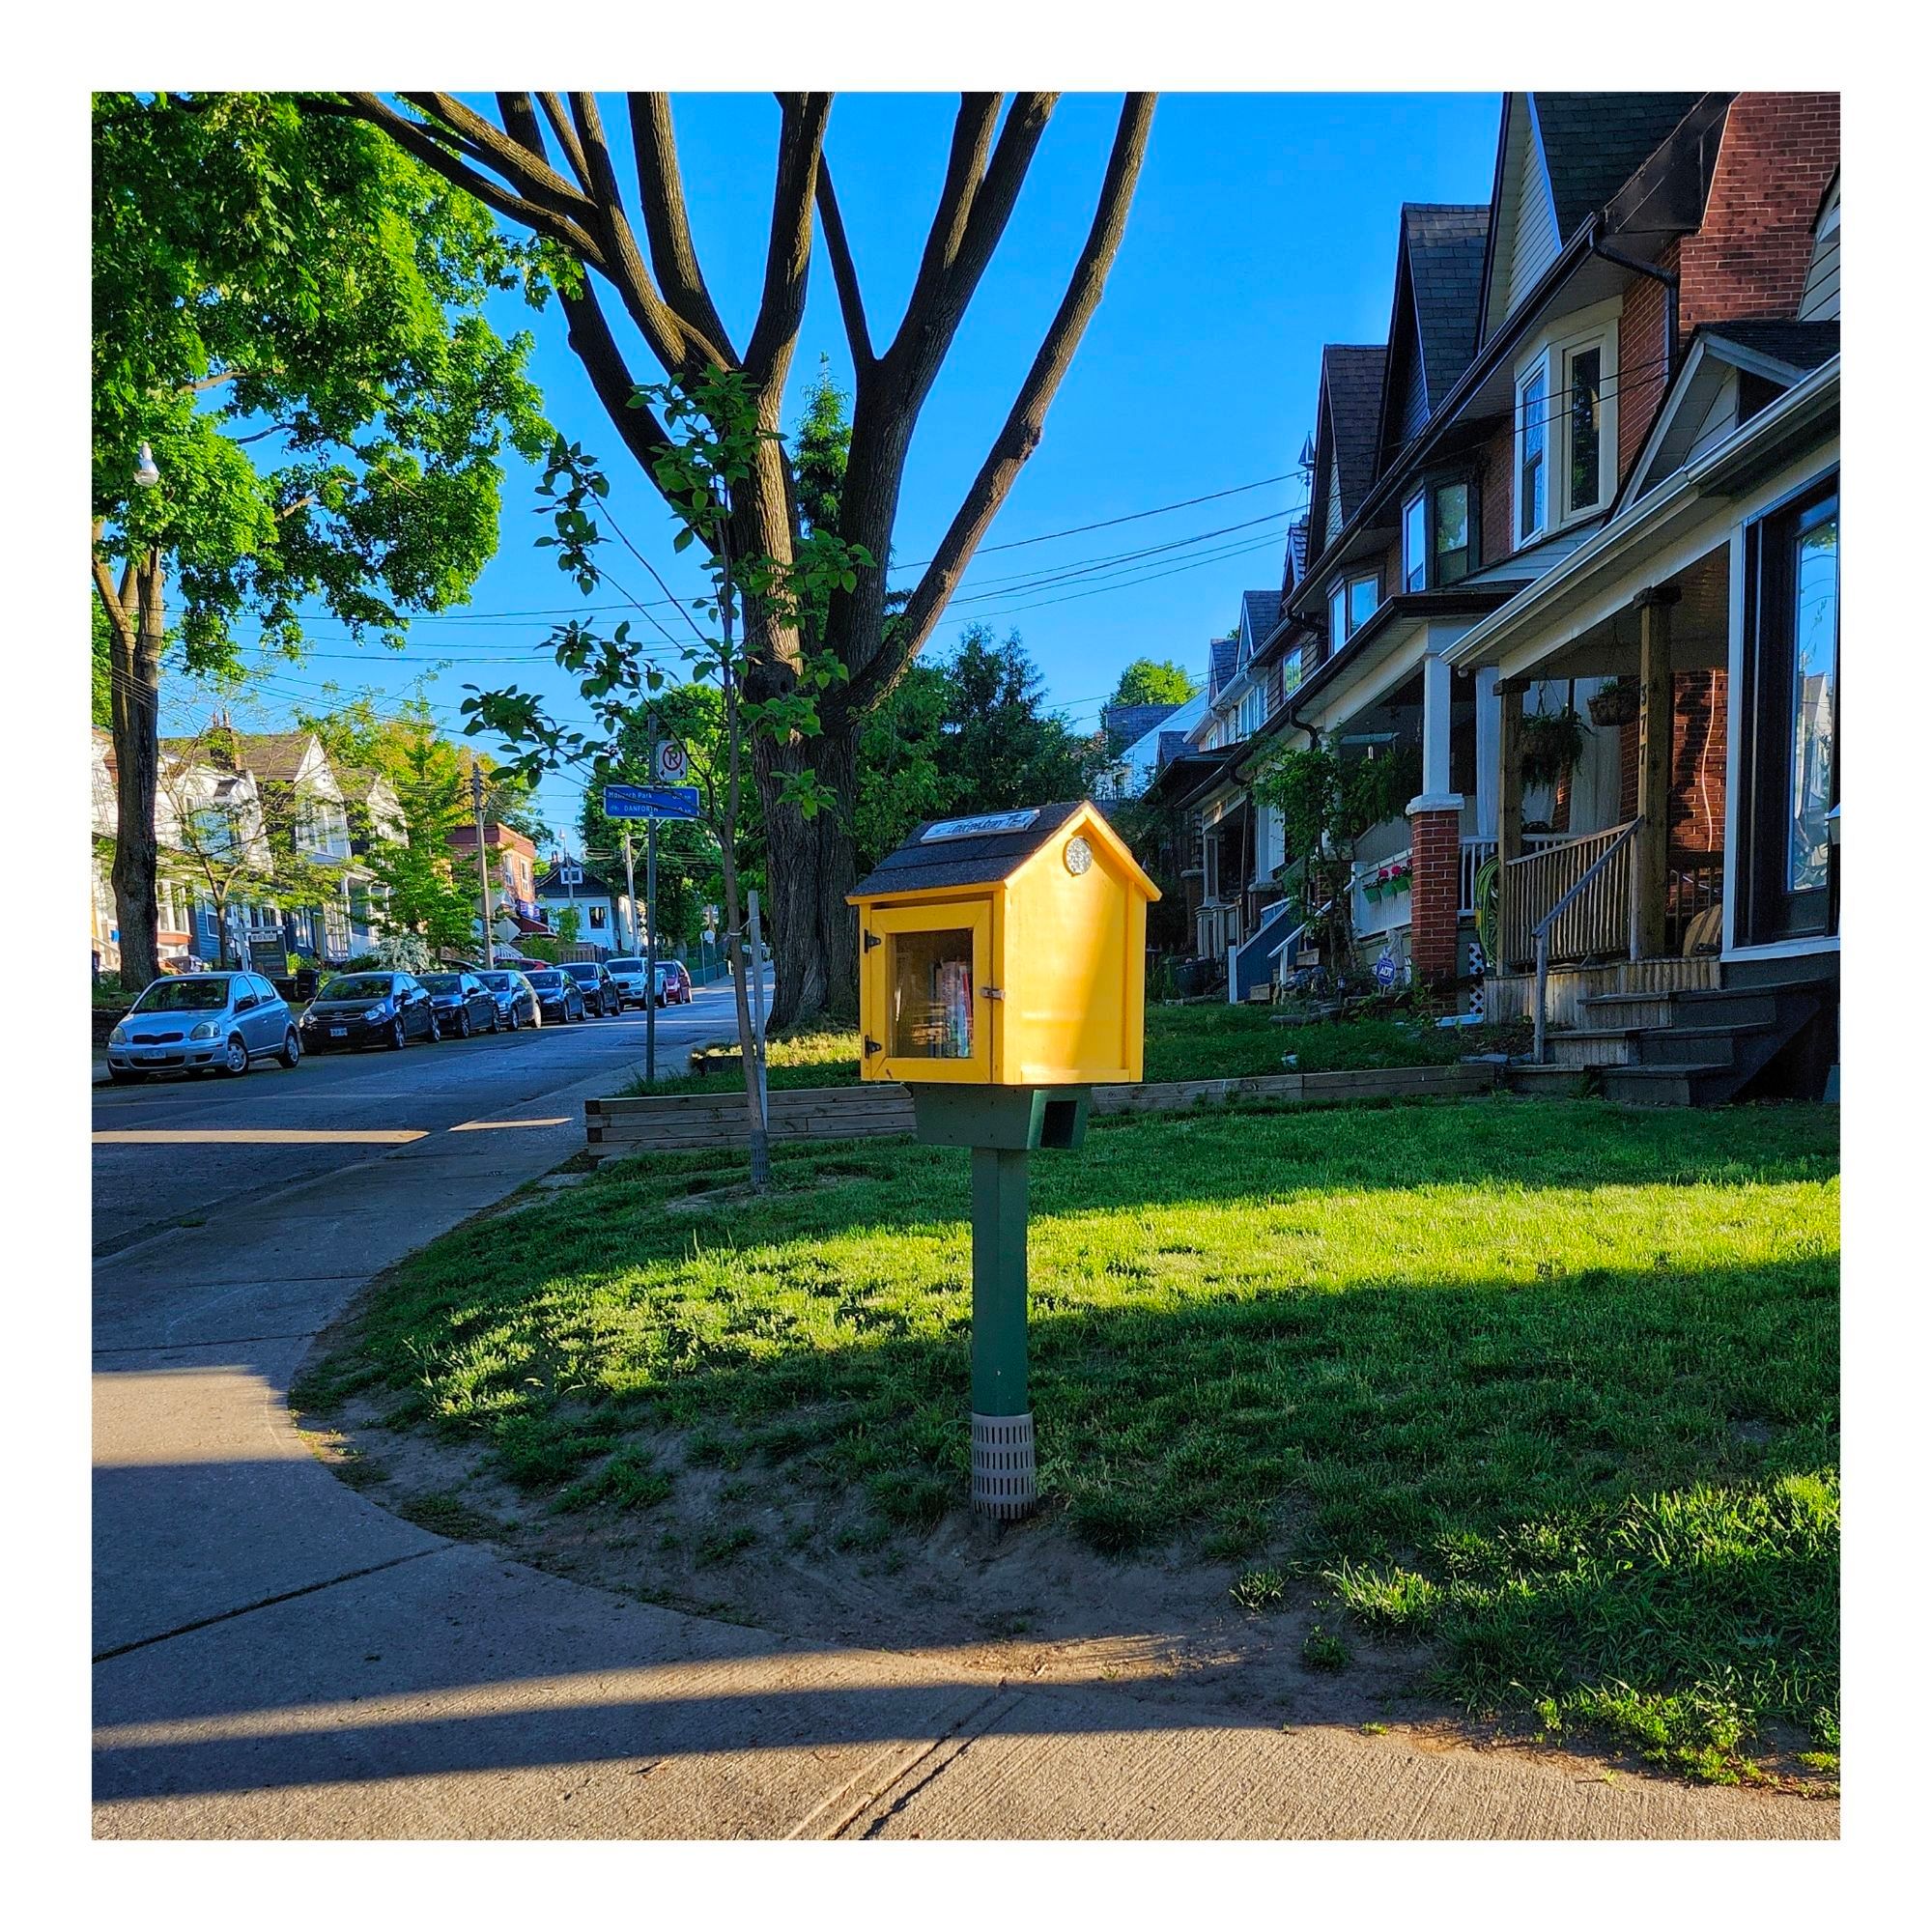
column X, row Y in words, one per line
column 622, row 801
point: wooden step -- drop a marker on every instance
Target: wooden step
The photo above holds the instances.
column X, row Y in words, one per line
column 1593, row 1046
column 1715, row 1005
column 1692, row 1046
column 1688, row 1084
column 1553, row 1082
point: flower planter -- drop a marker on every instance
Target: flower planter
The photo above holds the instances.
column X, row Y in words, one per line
column 1615, row 704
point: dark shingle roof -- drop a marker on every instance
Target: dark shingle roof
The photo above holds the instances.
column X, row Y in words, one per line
column 1262, row 610
column 1351, row 377
column 1593, row 143
column 590, row 886
column 1296, row 559
column 1444, row 245
column 1797, row 345
column 974, row 860
column 1221, row 665
column 1127, row 724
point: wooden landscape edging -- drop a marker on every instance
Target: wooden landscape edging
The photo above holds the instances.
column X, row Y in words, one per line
column 676, row 1121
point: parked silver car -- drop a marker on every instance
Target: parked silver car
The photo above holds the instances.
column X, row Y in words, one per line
column 209, row 1022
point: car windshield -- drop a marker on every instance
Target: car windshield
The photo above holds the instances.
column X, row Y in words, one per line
column 441, row 982
column 357, row 986
column 624, row 965
column 583, row 970
column 547, row 982
column 498, row 983
column 184, row 996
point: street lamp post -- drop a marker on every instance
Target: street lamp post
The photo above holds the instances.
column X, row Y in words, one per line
column 482, row 866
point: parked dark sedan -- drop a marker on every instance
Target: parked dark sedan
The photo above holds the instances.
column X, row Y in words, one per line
column 464, row 1005
column 368, row 1009
column 516, row 999
column 559, row 998
column 602, row 994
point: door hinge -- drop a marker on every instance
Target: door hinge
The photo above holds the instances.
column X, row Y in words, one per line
column 872, row 1046
column 871, row 940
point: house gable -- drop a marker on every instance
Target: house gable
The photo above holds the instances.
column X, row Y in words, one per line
column 1524, row 238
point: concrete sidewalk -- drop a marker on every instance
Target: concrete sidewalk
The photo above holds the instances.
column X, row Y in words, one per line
column 277, row 1656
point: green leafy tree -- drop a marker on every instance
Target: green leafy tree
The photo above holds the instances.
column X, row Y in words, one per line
column 419, row 889
column 1153, row 681
column 901, row 781
column 999, row 747
column 545, row 162
column 298, row 404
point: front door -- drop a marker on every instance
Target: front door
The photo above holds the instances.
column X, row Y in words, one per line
column 1789, row 877
column 928, row 969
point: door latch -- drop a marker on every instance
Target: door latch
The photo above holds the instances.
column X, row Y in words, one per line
column 993, row 992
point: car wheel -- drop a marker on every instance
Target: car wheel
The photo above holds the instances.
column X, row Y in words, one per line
column 463, row 1024
column 234, row 1061
column 515, row 1018
column 125, row 1076
column 433, row 1032
column 292, row 1050
column 496, row 1018
column 398, row 1036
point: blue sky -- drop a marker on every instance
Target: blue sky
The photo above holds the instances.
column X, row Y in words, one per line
column 1265, row 225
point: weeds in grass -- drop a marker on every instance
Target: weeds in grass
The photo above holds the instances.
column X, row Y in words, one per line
column 1323, row 1650
column 1260, row 1589
column 445, row 1514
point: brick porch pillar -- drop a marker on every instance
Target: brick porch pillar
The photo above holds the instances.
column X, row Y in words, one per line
column 1436, row 855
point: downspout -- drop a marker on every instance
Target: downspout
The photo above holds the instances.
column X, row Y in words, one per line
column 1669, row 280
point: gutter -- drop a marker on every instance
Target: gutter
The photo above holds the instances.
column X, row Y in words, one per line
column 1668, row 277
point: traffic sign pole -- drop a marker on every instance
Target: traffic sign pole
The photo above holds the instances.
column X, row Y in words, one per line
column 651, row 926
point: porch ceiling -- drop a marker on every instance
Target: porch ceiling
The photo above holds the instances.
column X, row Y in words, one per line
column 1699, row 628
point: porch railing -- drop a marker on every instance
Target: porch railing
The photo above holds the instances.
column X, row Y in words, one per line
column 1587, row 908
column 1592, row 923
column 1693, row 885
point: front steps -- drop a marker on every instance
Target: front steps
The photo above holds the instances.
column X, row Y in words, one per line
column 1677, row 1049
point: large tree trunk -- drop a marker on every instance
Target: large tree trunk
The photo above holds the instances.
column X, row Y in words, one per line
column 810, row 867
column 136, row 657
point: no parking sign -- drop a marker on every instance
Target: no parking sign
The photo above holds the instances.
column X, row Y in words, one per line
column 672, row 763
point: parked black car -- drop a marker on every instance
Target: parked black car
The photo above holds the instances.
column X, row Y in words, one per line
column 602, row 994
column 559, row 996
column 368, row 1009
column 516, row 998
column 464, row 1005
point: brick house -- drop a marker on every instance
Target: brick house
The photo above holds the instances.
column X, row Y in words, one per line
column 1653, row 274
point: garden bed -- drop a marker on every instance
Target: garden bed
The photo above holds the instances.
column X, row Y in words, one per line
column 1531, row 1407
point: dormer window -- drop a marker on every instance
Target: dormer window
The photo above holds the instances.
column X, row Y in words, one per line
column 1438, row 543
column 1352, row 603
column 1566, row 422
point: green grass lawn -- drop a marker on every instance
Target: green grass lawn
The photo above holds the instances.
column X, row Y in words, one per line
column 1549, row 1385
column 1209, row 1041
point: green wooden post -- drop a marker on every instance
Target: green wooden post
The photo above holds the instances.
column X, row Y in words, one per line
column 999, row 1281
column 1000, row 1124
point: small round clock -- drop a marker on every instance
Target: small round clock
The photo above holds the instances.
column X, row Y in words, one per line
column 1079, row 856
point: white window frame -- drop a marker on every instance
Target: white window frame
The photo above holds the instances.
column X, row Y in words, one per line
column 1418, row 500
column 1549, row 358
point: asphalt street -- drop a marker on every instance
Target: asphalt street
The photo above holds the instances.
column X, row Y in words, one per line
column 211, row 1147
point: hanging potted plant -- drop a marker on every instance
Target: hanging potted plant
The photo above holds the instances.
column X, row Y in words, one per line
column 1551, row 743
column 1399, row 876
column 1372, row 886
column 1615, row 704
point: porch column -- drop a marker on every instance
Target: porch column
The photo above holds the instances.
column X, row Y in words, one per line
column 1489, row 751
column 1651, row 878
column 1509, row 775
column 1435, row 835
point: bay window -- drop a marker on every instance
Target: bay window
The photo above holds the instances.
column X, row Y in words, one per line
column 1566, row 426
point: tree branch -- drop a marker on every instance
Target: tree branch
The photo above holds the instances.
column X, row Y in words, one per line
column 512, row 157
column 559, row 117
column 117, row 615
column 965, row 166
column 788, row 253
column 416, row 140
column 1020, row 436
column 672, row 340
column 844, row 273
column 667, row 223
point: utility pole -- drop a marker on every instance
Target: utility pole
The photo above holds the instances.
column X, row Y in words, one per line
column 482, row 865
column 650, row 921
